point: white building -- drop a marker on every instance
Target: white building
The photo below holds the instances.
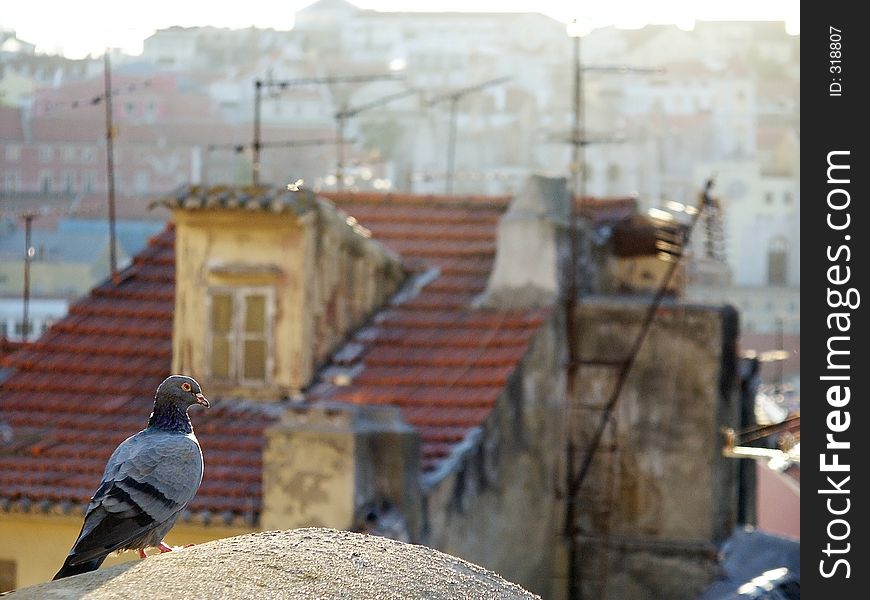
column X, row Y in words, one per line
column 42, row 312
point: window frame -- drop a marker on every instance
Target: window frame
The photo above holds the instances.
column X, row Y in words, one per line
column 238, row 336
column 777, row 261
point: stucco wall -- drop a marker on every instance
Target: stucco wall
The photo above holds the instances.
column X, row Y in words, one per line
column 664, row 494
column 304, row 563
column 38, row 543
column 325, row 274
column 329, row 465
column 497, row 506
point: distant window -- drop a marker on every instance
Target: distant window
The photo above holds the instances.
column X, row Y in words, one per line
column 768, row 197
column 45, row 153
column 19, row 328
column 613, row 173
column 45, row 182
column 10, row 181
column 89, row 154
column 787, row 198
column 13, row 152
column 89, row 182
column 240, row 323
column 69, row 153
column 777, row 262
column 69, row 181
column 8, row 576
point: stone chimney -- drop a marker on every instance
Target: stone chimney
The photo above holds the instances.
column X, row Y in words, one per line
column 532, row 247
column 268, row 283
column 328, row 465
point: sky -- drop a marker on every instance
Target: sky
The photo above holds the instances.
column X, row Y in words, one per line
column 78, row 27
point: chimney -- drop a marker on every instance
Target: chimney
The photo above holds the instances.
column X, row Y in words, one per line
column 332, row 465
column 268, row 282
column 532, row 247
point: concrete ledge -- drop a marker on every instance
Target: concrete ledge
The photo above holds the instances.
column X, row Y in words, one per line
column 302, row 563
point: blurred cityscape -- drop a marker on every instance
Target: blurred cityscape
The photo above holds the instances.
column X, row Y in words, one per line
column 368, row 108
column 723, row 100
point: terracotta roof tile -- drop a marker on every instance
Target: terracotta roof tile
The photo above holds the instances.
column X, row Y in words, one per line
column 89, row 381
column 442, row 362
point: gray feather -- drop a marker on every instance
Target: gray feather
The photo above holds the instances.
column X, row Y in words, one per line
column 148, row 481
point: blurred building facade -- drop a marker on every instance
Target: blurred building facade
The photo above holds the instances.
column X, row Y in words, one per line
column 395, row 367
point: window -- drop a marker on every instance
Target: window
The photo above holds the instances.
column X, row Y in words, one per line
column 69, row 153
column 786, row 198
column 13, row 152
column 240, row 322
column 89, row 155
column 45, row 153
column 19, row 327
column 8, row 575
column 45, row 182
column 768, row 197
column 89, row 182
column 69, row 181
column 777, row 262
column 10, row 181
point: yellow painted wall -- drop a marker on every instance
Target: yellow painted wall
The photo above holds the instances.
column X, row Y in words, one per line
column 38, row 543
column 326, row 274
column 240, row 248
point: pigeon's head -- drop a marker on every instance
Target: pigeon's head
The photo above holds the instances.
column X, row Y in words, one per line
column 180, row 390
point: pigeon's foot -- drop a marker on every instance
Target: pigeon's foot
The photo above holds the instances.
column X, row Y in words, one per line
column 142, row 553
column 164, row 548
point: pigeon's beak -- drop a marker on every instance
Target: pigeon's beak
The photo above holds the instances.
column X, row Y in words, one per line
column 200, row 399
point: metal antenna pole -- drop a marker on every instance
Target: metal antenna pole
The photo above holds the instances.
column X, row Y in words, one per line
column 110, row 165
column 255, row 147
column 271, row 84
column 451, row 144
column 571, row 323
column 454, row 98
column 780, row 326
column 28, row 255
column 341, row 120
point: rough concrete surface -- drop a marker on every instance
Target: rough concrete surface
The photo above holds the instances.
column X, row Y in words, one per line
column 302, row 563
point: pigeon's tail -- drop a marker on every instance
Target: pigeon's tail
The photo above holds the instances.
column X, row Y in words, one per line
column 68, row 570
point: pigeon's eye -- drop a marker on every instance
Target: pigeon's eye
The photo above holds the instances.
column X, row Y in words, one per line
column 185, row 386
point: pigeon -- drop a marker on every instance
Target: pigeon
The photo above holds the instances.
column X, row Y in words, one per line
column 149, row 479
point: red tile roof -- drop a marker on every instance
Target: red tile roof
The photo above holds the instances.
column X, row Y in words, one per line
column 89, row 381
column 442, row 362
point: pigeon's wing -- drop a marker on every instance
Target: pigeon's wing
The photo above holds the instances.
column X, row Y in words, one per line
column 149, row 478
